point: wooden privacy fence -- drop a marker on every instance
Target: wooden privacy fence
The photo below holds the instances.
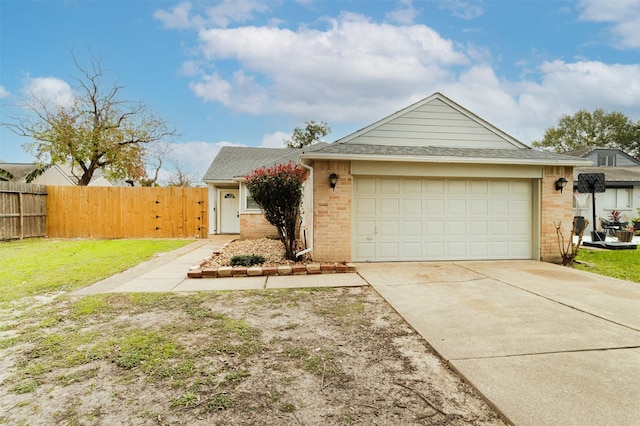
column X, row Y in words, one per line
column 23, row 210
column 126, row 212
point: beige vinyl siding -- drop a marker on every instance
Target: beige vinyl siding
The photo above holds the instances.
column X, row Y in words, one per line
column 434, row 124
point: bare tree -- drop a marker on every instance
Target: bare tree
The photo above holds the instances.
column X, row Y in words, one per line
column 180, row 177
column 96, row 131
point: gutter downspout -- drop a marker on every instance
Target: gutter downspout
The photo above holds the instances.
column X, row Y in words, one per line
column 309, row 217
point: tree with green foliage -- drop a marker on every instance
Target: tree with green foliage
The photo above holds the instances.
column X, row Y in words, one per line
column 97, row 130
column 310, row 134
column 597, row 128
column 278, row 192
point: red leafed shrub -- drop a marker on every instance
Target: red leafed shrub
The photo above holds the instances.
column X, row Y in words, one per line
column 278, row 191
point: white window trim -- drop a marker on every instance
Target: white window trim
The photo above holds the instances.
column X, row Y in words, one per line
column 243, row 201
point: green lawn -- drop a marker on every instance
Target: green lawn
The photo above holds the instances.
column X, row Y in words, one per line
column 623, row 264
column 38, row 266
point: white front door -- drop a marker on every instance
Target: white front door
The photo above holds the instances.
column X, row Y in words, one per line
column 229, row 211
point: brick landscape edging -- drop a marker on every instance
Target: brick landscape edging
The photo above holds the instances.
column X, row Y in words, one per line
column 200, row 271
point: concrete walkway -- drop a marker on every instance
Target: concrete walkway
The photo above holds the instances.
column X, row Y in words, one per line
column 547, row 345
column 168, row 273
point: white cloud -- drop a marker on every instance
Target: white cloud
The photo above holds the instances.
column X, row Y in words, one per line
column 463, row 9
column 275, row 140
column 324, row 74
column 178, row 18
column 49, row 90
column 526, row 108
column 193, row 157
column 356, row 71
column 4, row 93
column 405, row 13
column 220, row 15
column 623, row 15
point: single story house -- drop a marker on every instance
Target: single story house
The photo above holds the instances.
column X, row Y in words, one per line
column 622, row 183
column 55, row 175
column 431, row 182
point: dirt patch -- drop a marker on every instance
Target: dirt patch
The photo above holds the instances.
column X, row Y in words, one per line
column 276, row 357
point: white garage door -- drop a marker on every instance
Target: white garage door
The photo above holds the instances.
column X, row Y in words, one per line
column 398, row 219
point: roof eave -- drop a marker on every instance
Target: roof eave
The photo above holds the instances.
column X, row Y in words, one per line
column 445, row 159
column 219, row 181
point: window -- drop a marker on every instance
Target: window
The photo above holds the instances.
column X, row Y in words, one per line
column 608, row 160
column 624, row 198
column 248, row 204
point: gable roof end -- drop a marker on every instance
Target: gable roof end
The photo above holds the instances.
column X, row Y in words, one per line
column 443, row 108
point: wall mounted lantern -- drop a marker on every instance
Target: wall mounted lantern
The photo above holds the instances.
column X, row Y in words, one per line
column 333, row 179
column 560, row 184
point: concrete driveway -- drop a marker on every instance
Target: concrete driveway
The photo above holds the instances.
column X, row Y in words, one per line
column 546, row 344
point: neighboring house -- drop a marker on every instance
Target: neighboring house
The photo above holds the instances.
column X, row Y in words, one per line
column 54, row 175
column 432, row 181
column 622, row 182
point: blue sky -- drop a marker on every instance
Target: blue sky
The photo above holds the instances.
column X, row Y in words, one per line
column 246, row 72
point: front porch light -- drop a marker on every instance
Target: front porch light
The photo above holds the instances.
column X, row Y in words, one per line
column 560, row 184
column 333, row 179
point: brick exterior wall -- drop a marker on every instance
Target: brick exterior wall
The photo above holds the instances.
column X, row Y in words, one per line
column 254, row 226
column 332, row 212
column 555, row 207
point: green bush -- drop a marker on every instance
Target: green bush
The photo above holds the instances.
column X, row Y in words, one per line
column 246, row 260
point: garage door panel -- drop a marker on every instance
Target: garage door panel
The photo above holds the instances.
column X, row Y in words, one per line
column 412, row 186
column 433, row 208
column 478, row 207
column 519, row 207
column 411, row 228
column 455, row 249
column 411, row 207
column 456, row 187
column 442, row 219
column 499, row 249
column 364, row 185
column 479, row 228
column 366, row 250
column 433, row 187
column 434, row 228
column 498, row 207
column 477, row 249
column 365, row 207
column 519, row 229
column 389, row 206
column 457, row 207
column 434, row 250
column 389, row 251
column 499, row 228
column 456, row 228
column 364, row 228
column 520, row 249
column 478, row 188
column 389, row 186
column 389, row 228
column 411, row 250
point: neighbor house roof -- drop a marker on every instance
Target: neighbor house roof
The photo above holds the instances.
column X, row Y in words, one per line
column 584, row 152
column 630, row 175
column 19, row 171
